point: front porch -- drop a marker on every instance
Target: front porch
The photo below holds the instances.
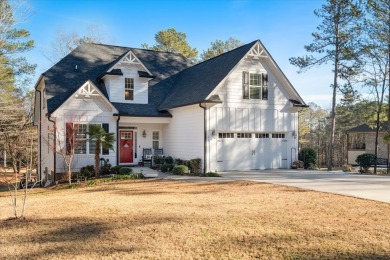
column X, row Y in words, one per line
column 136, row 134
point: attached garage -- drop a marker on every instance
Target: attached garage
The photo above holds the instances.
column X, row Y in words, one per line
column 247, row 151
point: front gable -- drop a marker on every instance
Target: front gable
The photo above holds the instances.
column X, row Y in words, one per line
column 87, row 99
column 257, row 79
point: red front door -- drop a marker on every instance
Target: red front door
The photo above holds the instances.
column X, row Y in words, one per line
column 126, row 147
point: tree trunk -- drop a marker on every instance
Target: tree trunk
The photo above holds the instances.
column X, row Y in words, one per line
column 97, row 158
column 376, row 137
column 333, row 112
column 333, row 119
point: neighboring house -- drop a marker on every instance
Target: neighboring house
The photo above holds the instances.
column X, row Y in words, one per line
column 361, row 139
column 237, row 111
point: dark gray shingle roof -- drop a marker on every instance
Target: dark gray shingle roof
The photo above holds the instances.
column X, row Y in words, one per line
column 175, row 82
column 194, row 84
column 93, row 61
column 384, row 127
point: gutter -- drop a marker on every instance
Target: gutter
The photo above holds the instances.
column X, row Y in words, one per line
column 54, row 146
column 40, row 137
column 204, row 138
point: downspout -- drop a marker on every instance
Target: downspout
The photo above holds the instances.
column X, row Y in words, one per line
column 40, row 137
column 204, row 138
column 54, row 146
column 117, row 140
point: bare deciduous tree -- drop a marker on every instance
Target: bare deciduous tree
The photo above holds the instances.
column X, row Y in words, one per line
column 65, row 42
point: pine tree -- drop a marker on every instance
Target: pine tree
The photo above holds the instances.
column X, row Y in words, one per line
column 335, row 42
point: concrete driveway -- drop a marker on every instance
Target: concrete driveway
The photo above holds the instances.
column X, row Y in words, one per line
column 361, row 186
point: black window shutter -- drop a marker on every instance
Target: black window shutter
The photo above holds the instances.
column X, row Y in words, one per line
column 264, row 94
column 245, row 85
column 265, row 79
column 69, row 137
column 105, row 127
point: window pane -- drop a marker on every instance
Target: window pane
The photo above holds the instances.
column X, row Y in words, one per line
column 92, row 146
column 81, row 148
column 155, row 144
column 128, row 94
column 155, row 135
column 129, row 83
column 81, row 131
column 254, row 80
column 255, row 92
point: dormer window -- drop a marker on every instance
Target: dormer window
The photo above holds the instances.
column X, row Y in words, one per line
column 129, row 89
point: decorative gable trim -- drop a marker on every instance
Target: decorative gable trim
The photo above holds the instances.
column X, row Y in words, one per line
column 131, row 59
column 258, row 51
column 85, row 92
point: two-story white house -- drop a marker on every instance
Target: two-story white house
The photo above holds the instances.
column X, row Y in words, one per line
column 237, row 111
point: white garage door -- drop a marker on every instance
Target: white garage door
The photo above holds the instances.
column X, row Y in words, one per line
column 246, row 151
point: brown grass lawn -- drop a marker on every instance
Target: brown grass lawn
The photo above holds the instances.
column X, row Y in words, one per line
column 162, row 219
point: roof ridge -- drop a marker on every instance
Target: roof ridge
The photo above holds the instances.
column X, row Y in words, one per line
column 220, row 55
column 133, row 48
column 207, row 63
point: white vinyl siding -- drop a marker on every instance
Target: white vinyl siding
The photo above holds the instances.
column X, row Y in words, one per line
column 183, row 137
column 116, row 85
column 79, row 111
column 265, row 110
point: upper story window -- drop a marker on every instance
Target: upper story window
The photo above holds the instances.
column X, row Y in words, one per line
column 129, row 89
column 356, row 141
column 254, row 86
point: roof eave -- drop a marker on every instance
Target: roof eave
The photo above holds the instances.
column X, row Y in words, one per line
column 192, row 103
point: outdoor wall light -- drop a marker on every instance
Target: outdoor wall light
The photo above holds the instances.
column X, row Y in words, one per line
column 144, row 134
column 214, row 134
column 294, row 134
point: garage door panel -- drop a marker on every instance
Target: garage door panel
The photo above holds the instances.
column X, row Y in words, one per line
column 251, row 153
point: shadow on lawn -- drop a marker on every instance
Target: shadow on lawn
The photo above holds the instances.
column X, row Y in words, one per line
column 137, row 188
column 68, row 237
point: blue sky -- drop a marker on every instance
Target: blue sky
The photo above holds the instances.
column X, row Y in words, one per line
column 284, row 27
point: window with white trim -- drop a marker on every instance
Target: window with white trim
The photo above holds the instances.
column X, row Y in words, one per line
column 278, row 135
column 262, row 135
column 129, row 89
column 254, row 85
column 156, row 139
column 80, row 141
column 244, row 135
column 226, row 135
column 80, row 138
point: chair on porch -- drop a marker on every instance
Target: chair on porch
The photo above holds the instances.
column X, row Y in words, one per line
column 147, row 157
column 158, row 152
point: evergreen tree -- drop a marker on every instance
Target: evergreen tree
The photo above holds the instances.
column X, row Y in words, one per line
column 13, row 42
column 171, row 40
column 218, row 47
column 334, row 42
column 377, row 57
